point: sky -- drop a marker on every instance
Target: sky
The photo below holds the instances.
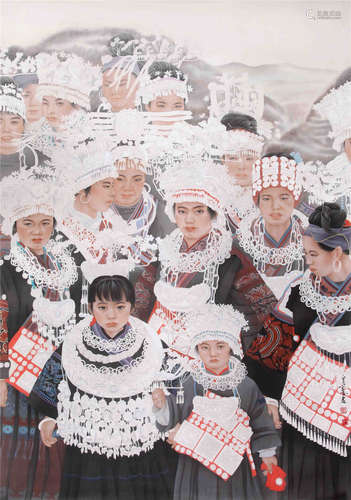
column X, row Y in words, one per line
column 313, row 34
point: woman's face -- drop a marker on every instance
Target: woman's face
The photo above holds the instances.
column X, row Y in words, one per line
column 111, row 316
column 120, row 93
column 170, row 102
column 33, row 105
column 11, row 132
column 276, row 205
column 240, row 167
column 319, row 261
column 193, row 219
column 215, row 355
column 129, row 186
column 34, row 231
column 101, row 195
column 347, row 147
column 54, row 109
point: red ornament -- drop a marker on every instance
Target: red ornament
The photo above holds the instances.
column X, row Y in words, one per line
column 275, row 479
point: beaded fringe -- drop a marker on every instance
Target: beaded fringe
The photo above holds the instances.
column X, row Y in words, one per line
column 314, row 433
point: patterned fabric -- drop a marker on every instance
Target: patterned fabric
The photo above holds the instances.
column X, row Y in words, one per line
column 214, row 442
column 276, row 346
column 4, row 311
column 45, row 388
column 28, row 354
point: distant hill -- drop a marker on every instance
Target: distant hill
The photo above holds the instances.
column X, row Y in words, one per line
column 290, row 91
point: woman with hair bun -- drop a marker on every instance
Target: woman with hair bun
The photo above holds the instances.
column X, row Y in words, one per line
column 303, row 358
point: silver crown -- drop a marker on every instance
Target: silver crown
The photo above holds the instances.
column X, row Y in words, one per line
column 18, row 65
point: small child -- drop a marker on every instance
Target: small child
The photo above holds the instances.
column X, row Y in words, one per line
column 223, row 417
column 95, row 388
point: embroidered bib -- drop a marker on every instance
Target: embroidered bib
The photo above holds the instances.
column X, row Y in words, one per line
column 217, row 433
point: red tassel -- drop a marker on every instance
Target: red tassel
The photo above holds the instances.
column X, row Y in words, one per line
column 276, row 479
column 93, row 321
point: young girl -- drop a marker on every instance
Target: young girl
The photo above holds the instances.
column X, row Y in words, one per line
column 96, row 390
column 221, row 405
column 272, row 235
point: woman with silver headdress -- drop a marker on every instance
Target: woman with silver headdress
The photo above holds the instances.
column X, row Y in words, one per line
column 197, row 262
column 86, row 174
column 272, row 234
column 65, row 82
column 242, row 147
column 331, row 182
column 163, row 93
column 223, row 420
column 38, row 277
column 134, row 203
column 120, row 75
column 303, row 358
column 15, row 152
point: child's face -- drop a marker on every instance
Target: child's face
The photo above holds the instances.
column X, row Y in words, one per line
column 111, row 316
column 215, row 354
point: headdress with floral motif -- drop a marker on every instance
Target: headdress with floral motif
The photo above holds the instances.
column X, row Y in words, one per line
column 67, row 76
column 276, row 171
column 336, row 107
column 128, row 131
column 196, row 180
column 158, row 82
column 80, row 166
column 11, row 100
column 26, row 192
column 215, row 322
column 234, row 94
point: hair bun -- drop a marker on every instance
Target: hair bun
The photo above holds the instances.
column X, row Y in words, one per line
column 328, row 216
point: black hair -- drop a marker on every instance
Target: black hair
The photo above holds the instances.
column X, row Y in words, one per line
column 86, row 191
column 328, row 216
column 234, row 121
column 158, row 69
column 14, row 227
column 116, row 288
column 212, row 212
column 6, row 80
column 279, row 154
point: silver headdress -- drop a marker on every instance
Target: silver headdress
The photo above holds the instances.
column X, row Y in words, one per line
column 215, row 322
column 336, row 107
column 26, row 192
column 67, row 76
column 11, row 100
column 237, row 95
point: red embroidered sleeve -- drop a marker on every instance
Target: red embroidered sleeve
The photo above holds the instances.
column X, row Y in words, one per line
column 275, row 346
column 4, row 360
column 251, row 285
column 144, row 292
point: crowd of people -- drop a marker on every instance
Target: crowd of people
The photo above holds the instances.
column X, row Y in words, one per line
column 175, row 299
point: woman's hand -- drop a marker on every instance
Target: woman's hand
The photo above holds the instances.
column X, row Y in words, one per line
column 3, row 393
column 171, row 435
column 269, row 461
column 274, row 413
column 46, row 430
column 158, row 398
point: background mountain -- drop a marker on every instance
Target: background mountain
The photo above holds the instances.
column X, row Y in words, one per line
column 290, row 91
